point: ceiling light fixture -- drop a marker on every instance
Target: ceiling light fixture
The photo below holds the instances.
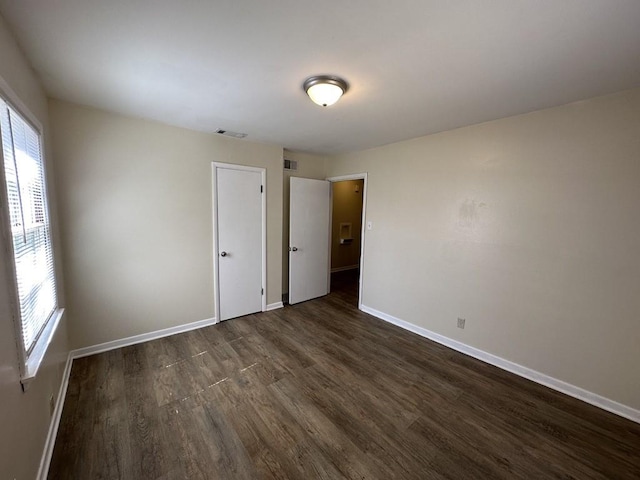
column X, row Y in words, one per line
column 325, row 90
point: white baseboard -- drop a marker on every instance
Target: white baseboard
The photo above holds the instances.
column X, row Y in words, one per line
column 553, row 383
column 274, row 306
column 45, row 461
column 344, row 269
column 144, row 337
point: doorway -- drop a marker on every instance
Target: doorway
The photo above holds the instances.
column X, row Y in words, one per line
column 347, row 236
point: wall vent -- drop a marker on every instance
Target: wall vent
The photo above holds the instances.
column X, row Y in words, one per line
column 229, row 133
column 290, row 164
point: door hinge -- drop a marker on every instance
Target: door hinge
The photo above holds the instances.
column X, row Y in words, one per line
column 262, row 291
column 261, row 189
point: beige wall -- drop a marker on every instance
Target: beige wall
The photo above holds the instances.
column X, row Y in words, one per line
column 347, row 208
column 136, row 218
column 528, row 227
column 24, row 417
column 309, row 166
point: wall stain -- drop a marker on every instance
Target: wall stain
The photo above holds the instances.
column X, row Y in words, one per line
column 469, row 213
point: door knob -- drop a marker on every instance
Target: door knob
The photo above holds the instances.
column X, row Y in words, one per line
column 294, row 249
column 223, row 254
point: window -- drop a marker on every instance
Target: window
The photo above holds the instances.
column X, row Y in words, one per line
column 30, row 232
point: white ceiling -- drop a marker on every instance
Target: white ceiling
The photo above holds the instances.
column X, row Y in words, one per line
column 414, row 66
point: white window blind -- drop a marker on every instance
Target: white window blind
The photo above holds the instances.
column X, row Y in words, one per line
column 29, row 217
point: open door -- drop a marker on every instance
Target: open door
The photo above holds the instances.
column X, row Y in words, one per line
column 309, row 228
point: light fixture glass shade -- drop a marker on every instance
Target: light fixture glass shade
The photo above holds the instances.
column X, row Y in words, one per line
column 325, row 90
column 325, row 94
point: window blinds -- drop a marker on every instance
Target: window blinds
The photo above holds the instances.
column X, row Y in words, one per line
column 29, row 217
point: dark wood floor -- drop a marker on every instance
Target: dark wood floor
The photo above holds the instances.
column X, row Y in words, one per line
column 322, row 390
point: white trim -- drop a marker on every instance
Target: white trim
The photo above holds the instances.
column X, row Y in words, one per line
column 344, row 269
column 45, row 461
column 29, row 364
column 274, row 306
column 143, row 337
column 264, row 238
column 33, row 362
column 14, row 100
column 330, row 239
column 533, row 375
column 351, row 176
column 216, row 272
column 214, row 233
column 357, row 176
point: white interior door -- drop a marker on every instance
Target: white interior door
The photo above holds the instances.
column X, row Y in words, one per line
column 309, row 225
column 239, row 232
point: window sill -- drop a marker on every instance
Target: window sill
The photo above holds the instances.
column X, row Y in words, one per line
column 32, row 365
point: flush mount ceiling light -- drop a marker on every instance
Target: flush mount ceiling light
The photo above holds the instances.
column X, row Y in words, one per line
column 325, row 90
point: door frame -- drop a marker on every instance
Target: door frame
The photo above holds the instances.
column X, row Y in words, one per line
column 341, row 178
column 216, row 272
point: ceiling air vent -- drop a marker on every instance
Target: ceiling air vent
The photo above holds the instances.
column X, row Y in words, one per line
column 229, row 133
column 290, row 164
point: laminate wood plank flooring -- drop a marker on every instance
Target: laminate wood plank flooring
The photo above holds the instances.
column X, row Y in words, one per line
column 322, row 390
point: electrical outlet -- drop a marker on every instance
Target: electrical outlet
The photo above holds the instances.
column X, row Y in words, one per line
column 461, row 322
column 52, row 405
